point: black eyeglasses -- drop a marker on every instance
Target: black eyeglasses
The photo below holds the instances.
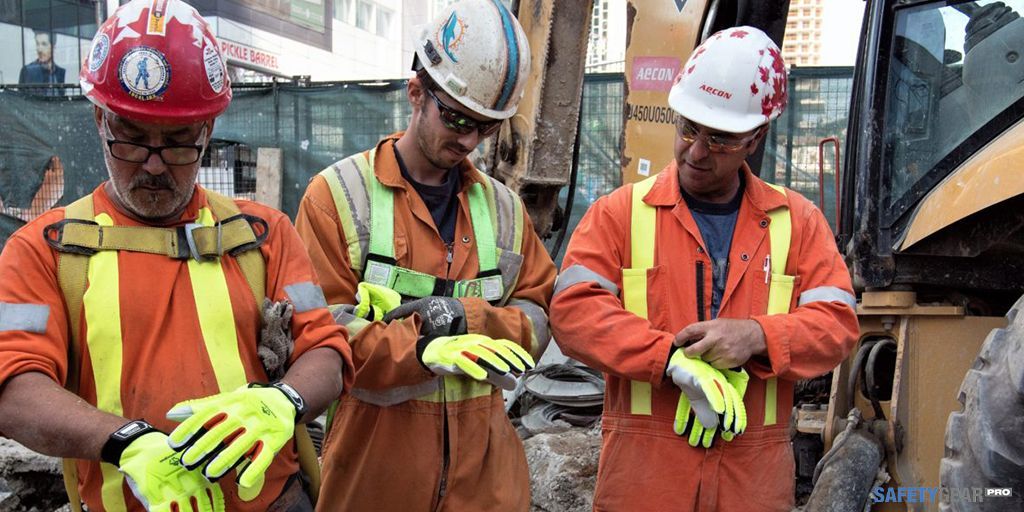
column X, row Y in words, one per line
column 716, row 143
column 178, row 154
column 461, row 123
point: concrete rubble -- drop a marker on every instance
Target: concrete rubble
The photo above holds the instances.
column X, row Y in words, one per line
column 29, row 482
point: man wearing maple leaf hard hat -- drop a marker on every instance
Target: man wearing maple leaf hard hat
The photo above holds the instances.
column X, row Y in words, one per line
column 703, row 294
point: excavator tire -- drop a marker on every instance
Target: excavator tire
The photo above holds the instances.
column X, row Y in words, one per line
column 985, row 439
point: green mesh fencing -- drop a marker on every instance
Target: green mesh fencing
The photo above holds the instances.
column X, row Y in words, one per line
column 50, row 153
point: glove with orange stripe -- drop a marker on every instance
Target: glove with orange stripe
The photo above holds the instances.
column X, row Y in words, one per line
column 499, row 362
column 247, row 427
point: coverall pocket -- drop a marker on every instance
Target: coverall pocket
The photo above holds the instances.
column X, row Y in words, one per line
column 646, row 293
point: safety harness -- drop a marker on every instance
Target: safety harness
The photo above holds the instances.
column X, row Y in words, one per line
column 366, row 210
column 82, row 235
column 634, row 281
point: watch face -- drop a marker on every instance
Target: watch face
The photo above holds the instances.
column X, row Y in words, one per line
column 131, row 429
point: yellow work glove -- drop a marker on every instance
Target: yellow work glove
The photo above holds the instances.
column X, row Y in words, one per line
column 738, row 379
column 497, row 361
column 222, row 431
column 159, row 481
column 706, row 402
column 374, row 301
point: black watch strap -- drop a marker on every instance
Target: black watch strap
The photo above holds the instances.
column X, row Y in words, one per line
column 121, row 438
column 293, row 396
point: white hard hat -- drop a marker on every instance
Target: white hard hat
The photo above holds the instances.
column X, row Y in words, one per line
column 733, row 82
column 477, row 52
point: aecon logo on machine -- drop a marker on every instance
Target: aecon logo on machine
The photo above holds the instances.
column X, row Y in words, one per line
column 144, row 73
column 938, row 494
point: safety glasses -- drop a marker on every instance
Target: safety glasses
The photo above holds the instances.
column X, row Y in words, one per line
column 461, row 123
column 716, row 143
column 178, row 154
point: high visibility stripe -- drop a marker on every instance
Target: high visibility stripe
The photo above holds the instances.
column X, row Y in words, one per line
column 306, row 296
column 216, row 317
column 486, row 248
column 456, row 388
column 345, row 215
column 102, row 304
column 540, row 334
column 771, row 387
column 24, row 317
column 577, row 274
column 382, row 219
column 512, row 53
column 634, row 279
column 780, row 291
column 828, row 294
column 394, row 396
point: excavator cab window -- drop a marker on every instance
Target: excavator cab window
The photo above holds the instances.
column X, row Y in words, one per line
column 956, row 70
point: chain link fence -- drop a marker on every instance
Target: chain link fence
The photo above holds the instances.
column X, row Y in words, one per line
column 50, row 154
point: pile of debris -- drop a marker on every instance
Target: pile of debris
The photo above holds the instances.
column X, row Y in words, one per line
column 29, row 482
column 557, row 411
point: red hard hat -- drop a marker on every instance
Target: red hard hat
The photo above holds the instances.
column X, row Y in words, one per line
column 157, row 61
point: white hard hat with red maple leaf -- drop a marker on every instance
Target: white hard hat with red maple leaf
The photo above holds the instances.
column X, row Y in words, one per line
column 733, row 82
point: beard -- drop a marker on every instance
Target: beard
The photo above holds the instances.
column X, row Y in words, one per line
column 150, row 197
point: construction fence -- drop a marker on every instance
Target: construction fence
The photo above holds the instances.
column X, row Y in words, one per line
column 50, row 153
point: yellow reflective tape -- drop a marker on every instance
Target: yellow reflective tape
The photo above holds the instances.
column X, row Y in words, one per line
column 456, row 388
column 780, row 292
column 216, row 317
column 634, row 280
column 102, row 303
column 771, row 388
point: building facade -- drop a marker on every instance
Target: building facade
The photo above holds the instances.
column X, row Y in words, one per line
column 802, row 44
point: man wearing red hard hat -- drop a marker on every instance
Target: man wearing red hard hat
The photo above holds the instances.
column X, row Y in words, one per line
column 148, row 300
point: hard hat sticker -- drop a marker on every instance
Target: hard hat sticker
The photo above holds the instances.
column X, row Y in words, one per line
column 214, row 67
column 144, row 73
column 157, row 20
column 449, row 36
column 98, row 53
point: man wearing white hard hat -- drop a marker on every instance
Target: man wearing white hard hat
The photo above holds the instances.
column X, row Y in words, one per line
column 435, row 269
column 704, row 293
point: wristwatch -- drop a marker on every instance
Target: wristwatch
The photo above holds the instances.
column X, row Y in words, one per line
column 293, row 396
column 121, row 438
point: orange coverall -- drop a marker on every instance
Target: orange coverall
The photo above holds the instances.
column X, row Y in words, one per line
column 164, row 357
column 395, row 458
column 644, row 465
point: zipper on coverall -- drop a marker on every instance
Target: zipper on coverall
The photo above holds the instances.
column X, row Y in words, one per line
column 442, row 487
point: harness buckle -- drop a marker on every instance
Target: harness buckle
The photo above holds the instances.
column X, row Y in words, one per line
column 54, row 233
column 189, row 230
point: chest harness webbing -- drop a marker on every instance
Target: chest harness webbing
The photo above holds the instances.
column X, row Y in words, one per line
column 353, row 184
column 84, row 238
column 634, row 281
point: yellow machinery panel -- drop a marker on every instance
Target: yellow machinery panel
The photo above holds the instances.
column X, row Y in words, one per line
column 660, row 36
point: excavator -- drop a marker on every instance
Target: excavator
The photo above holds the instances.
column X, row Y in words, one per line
column 927, row 413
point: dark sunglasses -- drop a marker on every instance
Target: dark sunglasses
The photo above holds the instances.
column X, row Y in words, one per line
column 461, row 123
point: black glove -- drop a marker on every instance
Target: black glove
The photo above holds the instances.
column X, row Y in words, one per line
column 442, row 316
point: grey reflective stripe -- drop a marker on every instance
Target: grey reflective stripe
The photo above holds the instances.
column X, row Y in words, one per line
column 577, row 274
column 306, row 296
column 506, row 206
column 357, row 193
column 828, row 294
column 509, row 264
column 539, row 320
column 396, row 396
column 24, row 317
